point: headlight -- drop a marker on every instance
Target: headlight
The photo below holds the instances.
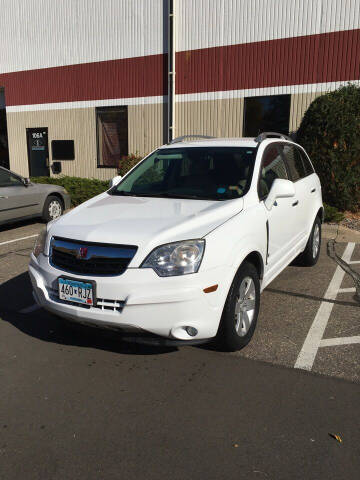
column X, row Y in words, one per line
column 40, row 242
column 178, row 258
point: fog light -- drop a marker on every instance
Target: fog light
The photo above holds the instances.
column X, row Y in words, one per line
column 191, row 331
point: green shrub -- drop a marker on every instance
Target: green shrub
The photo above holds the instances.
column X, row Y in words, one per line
column 332, row 214
column 80, row 189
column 127, row 163
column 330, row 133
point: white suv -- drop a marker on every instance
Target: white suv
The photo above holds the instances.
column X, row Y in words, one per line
column 182, row 246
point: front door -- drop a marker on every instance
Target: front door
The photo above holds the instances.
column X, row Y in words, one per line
column 38, row 152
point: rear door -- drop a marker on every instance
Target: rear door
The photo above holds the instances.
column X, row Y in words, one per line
column 300, row 202
column 16, row 200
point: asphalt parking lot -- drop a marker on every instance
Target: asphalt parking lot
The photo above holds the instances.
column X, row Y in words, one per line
column 85, row 405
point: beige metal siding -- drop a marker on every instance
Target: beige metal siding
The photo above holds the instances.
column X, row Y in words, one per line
column 219, row 118
column 299, row 104
column 146, row 129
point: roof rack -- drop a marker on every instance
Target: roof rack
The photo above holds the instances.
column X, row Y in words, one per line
column 263, row 136
column 180, row 139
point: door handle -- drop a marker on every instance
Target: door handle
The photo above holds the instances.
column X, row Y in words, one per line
column 295, row 203
column 313, row 190
column 2, row 196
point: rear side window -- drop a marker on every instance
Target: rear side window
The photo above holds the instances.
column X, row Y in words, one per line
column 272, row 167
column 294, row 161
column 308, row 168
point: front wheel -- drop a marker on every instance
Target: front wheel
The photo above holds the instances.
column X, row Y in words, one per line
column 241, row 310
column 53, row 208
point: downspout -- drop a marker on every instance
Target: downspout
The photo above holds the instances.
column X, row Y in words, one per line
column 171, row 70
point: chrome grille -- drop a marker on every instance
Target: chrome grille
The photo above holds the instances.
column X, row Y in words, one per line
column 89, row 258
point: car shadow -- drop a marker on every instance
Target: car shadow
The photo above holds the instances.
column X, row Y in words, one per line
column 7, row 227
column 16, row 297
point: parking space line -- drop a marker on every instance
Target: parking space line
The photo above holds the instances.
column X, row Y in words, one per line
column 311, row 345
column 18, row 239
column 347, row 290
column 354, row 262
column 330, row 342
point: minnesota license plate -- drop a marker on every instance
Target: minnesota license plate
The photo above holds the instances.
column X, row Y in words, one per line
column 76, row 291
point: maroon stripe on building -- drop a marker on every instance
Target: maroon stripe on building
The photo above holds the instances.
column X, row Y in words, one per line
column 125, row 78
column 309, row 59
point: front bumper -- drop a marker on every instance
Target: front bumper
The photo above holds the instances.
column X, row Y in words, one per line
column 161, row 306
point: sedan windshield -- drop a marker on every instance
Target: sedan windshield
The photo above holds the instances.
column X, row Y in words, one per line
column 204, row 173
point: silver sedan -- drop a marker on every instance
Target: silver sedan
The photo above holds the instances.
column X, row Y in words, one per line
column 21, row 199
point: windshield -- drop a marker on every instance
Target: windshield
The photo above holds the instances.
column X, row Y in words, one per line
column 204, row 173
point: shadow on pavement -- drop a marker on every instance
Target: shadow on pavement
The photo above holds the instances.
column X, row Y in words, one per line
column 311, row 297
column 15, row 295
column 7, row 227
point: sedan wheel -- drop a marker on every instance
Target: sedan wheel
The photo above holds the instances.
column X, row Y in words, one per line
column 53, row 208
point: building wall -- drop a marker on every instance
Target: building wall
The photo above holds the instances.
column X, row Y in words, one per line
column 88, row 53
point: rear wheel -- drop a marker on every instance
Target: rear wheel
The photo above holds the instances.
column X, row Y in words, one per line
column 53, row 208
column 310, row 255
column 241, row 309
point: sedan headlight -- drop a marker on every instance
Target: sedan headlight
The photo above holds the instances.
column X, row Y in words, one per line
column 178, row 258
column 39, row 246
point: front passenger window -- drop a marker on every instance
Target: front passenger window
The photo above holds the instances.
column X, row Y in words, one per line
column 272, row 167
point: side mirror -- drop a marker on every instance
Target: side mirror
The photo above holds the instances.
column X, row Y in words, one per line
column 26, row 182
column 115, row 181
column 280, row 189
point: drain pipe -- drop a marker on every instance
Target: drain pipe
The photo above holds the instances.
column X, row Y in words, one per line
column 171, row 70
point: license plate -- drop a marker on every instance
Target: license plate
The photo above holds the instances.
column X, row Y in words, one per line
column 76, row 291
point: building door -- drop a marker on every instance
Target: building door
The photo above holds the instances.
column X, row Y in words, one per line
column 4, row 151
column 38, row 151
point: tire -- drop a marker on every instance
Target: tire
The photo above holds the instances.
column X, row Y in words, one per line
column 234, row 331
column 53, row 208
column 310, row 255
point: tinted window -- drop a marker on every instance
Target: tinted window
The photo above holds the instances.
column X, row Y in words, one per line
column 307, row 165
column 112, row 135
column 294, row 162
column 266, row 114
column 63, row 149
column 272, row 167
column 213, row 173
column 7, row 179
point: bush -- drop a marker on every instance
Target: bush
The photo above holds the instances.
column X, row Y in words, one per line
column 127, row 163
column 80, row 189
column 330, row 133
column 332, row 214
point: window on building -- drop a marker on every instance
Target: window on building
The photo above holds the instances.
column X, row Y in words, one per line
column 272, row 167
column 266, row 114
column 112, row 135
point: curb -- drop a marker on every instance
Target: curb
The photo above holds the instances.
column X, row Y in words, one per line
column 340, row 233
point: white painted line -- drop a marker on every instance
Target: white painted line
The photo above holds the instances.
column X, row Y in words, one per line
column 30, row 309
column 18, row 239
column 311, row 345
column 347, row 290
column 354, row 262
column 330, row 342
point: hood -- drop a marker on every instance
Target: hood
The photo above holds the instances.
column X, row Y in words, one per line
column 146, row 222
